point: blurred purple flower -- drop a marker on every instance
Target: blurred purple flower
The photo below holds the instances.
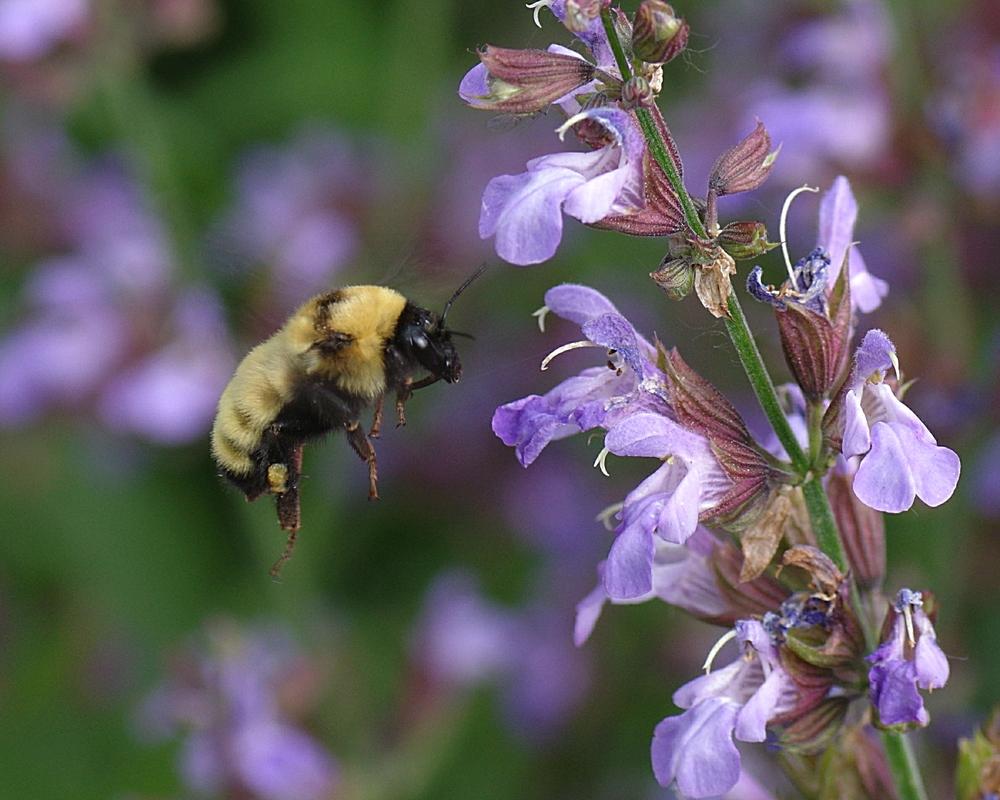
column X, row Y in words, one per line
column 986, row 488
column 29, row 29
column 900, row 459
column 966, row 112
column 295, row 210
column 597, row 396
column 840, row 113
column 696, row 749
column 908, row 659
column 464, row 640
column 240, row 738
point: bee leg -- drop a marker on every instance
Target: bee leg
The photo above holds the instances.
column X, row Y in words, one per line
column 406, row 392
column 285, row 485
column 376, row 428
column 366, row 452
column 402, row 397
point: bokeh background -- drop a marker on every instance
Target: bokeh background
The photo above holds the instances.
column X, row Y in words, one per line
column 177, row 175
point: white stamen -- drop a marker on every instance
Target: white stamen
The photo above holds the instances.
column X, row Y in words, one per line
column 599, row 461
column 540, row 315
column 782, row 227
column 565, row 348
column 908, row 618
column 561, row 130
column 608, row 514
column 707, row 666
column 537, row 6
column 895, row 362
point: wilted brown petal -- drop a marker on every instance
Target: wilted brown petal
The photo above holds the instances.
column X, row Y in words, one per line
column 752, row 598
column 745, row 166
column 760, row 541
column 713, row 283
column 823, row 573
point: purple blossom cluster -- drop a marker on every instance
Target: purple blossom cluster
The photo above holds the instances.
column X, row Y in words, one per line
column 231, row 698
column 464, row 640
column 806, row 655
column 108, row 327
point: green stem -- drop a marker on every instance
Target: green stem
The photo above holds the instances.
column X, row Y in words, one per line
column 823, row 524
column 656, row 145
column 903, row 765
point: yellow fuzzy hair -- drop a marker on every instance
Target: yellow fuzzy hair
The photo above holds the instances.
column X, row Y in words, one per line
column 368, row 314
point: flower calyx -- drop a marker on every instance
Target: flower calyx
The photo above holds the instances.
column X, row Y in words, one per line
column 658, row 34
column 699, row 406
column 815, row 326
column 526, row 81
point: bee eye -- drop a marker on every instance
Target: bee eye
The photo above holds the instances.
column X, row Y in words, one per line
column 420, row 342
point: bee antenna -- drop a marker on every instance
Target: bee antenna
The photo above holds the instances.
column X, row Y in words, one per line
column 459, row 290
column 463, row 334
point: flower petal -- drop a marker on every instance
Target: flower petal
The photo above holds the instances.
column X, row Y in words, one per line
column 696, row 750
column 884, row 481
column 577, row 303
column 525, row 213
column 628, row 573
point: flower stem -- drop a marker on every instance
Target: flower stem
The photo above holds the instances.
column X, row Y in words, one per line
column 823, row 524
column 656, row 146
column 903, row 765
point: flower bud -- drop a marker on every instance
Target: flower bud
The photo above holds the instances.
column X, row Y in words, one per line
column 743, row 240
column 744, row 166
column 862, row 530
column 675, row 276
column 637, row 93
column 658, row 34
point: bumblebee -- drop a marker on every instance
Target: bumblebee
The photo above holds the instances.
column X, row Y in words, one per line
column 339, row 354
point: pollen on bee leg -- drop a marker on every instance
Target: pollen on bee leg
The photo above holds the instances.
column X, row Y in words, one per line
column 277, row 478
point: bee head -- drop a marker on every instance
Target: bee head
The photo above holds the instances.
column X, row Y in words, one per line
column 423, row 335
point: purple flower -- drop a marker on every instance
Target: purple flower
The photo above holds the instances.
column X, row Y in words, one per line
column 592, row 34
column 900, row 459
column 464, row 640
column 524, row 212
column 908, row 659
column 29, row 29
column 293, row 210
column 597, row 396
column 814, row 277
column 241, row 739
column 696, row 749
column 837, row 214
column 667, row 503
column 681, row 575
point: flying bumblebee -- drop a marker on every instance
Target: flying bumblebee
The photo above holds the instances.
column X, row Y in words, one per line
column 337, row 355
